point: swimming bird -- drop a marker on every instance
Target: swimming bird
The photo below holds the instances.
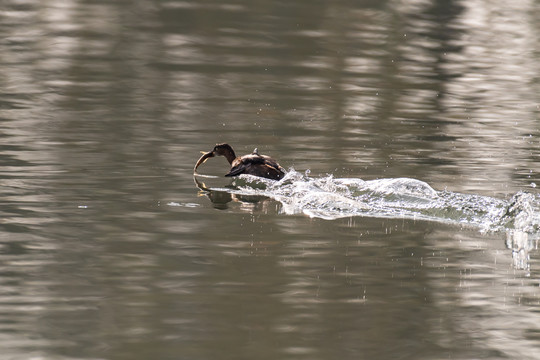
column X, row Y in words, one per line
column 251, row 164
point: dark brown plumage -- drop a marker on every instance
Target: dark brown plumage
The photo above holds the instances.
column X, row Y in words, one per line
column 251, row 164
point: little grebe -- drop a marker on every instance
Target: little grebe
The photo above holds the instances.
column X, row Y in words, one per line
column 251, row 164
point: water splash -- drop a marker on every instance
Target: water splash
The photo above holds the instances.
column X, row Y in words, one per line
column 332, row 198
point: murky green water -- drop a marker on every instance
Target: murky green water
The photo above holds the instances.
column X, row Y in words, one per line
column 110, row 250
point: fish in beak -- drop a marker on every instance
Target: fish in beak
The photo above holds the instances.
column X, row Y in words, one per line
column 203, row 158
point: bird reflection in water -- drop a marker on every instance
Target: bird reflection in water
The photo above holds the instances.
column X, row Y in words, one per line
column 221, row 198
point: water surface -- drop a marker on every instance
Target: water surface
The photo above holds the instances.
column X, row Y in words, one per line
column 110, row 250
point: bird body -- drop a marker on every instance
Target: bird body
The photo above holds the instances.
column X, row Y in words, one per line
column 251, row 164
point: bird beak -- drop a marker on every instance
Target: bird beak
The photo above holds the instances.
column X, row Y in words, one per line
column 203, row 158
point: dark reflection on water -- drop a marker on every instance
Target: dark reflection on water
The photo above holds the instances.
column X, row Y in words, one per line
column 106, row 251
